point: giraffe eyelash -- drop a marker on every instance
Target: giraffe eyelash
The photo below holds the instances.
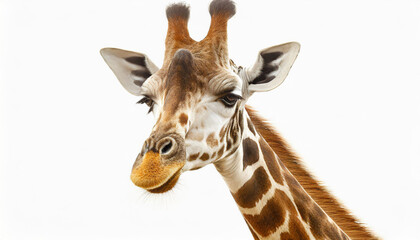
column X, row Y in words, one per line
column 230, row 99
column 148, row 101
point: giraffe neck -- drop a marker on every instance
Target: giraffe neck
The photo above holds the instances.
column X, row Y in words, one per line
column 273, row 203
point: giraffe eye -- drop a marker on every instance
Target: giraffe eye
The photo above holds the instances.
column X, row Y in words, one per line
column 230, row 99
column 148, row 101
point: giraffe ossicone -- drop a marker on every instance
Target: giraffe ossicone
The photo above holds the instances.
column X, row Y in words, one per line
column 198, row 98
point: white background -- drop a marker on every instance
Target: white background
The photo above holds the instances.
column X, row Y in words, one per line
column 70, row 132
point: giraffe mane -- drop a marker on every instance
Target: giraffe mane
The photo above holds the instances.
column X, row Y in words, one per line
column 331, row 205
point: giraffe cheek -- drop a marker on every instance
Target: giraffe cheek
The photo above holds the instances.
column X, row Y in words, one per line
column 151, row 174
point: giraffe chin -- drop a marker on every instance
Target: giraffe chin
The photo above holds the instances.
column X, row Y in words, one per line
column 168, row 185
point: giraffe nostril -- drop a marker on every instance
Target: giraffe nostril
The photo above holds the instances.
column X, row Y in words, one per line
column 166, row 148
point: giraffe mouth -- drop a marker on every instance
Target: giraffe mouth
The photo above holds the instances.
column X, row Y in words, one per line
column 168, row 185
column 153, row 175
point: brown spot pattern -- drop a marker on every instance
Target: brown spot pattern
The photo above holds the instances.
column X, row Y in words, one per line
column 193, row 157
column 271, row 217
column 296, row 230
column 353, row 227
column 183, row 119
column 312, row 213
column 250, row 152
column 212, row 141
column 253, row 190
column 254, row 235
column 205, row 157
column 271, row 161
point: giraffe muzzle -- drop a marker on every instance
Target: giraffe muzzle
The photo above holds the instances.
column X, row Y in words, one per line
column 158, row 166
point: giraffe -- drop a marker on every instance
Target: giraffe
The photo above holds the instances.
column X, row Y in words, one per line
column 198, row 98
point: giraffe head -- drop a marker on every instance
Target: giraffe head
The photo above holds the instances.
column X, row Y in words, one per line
column 197, row 96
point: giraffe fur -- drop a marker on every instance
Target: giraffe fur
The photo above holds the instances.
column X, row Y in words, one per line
column 198, row 97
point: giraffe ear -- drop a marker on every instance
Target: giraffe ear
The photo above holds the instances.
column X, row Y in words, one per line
column 131, row 68
column 271, row 68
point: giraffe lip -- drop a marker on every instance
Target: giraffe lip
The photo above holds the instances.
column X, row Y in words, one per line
column 154, row 174
column 168, row 185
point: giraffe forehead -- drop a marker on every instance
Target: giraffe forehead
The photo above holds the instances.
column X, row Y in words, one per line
column 187, row 81
column 182, row 72
column 180, row 82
